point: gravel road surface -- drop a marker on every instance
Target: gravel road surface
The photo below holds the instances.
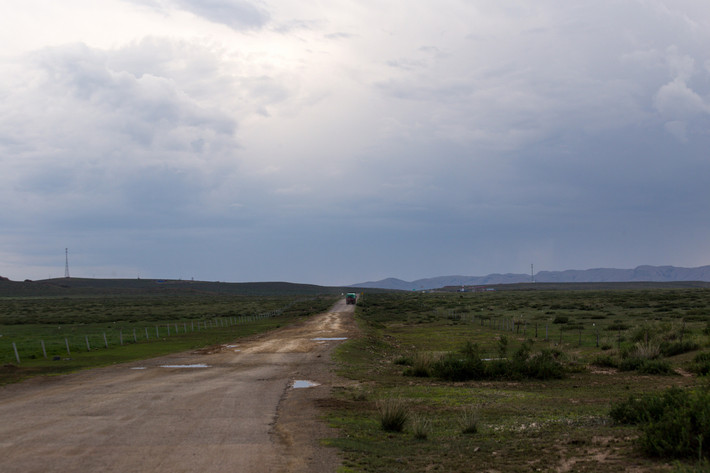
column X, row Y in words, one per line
column 231, row 408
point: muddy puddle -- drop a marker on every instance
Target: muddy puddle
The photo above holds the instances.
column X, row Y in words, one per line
column 304, row 383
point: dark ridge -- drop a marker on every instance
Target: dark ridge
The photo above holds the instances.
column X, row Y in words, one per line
column 66, row 287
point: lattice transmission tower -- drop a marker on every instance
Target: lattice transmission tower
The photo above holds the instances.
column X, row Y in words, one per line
column 66, row 262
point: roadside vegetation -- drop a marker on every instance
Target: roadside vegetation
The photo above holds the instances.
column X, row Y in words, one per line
column 54, row 335
column 595, row 380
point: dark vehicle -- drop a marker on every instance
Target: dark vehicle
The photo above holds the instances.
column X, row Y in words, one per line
column 351, row 298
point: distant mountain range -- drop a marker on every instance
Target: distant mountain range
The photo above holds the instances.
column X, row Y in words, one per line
column 638, row 274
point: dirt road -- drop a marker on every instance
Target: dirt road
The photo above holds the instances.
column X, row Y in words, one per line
column 229, row 409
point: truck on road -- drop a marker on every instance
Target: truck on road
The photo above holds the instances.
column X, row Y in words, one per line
column 351, row 298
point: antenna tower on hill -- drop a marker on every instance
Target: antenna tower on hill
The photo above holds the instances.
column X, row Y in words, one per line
column 66, row 263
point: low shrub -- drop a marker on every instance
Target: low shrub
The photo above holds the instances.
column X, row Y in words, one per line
column 403, row 360
column 659, row 367
column 544, row 365
column 503, row 346
column 467, row 364
column 617, row 325
column 393, row 414
column 630, row 364
column 702, row 357
column 701, row 364
column 673, row 423
column 678, row 347
column 646, row 332
column 605, row 361
column 648, row 408
column 459, row 367
column 560, row 319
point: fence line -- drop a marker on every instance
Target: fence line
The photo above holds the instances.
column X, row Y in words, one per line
column 519, row 325
column 214, row 323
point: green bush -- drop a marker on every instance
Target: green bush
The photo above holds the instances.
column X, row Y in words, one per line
column 544, row 365
column 702, row 357
column 503, row 346
column 459, row 367
column 403, row 360
column 617, row 325
column 560, row 319
column 605, row 361
column 701, row 364
column 466, row 364
column 678, row 348
column 673, row 423
column 650, row 407
column 630, row 364
column 661, row 367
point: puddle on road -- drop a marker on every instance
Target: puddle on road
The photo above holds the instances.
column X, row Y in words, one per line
column 198, row 365
column 138, row 368
column 329, row 339
column 303, row 383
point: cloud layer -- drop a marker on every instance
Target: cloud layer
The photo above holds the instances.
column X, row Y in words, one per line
column 340, row 142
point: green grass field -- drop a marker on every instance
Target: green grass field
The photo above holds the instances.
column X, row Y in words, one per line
column 520, row 424
column 95, row 323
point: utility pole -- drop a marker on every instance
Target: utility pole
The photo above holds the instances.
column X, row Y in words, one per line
column 66, row 263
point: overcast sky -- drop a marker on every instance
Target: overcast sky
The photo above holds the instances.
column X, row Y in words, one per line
column 340, row 141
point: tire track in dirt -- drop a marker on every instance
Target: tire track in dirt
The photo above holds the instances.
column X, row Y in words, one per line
column 237, row 414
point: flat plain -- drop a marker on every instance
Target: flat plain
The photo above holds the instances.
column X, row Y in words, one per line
column 612, row 344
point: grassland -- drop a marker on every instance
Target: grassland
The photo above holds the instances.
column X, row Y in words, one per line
column 64, row 325
column 520, row 424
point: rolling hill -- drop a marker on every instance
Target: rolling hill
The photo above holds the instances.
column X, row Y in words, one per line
column 638, row 274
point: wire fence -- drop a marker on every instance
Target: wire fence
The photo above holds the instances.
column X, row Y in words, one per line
column 70, row 340
column 595, row 334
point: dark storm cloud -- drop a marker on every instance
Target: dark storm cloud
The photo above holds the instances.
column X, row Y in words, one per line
column 426, row 138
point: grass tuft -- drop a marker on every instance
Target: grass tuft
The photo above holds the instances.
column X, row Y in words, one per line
column 421, row 427
column 469, row 421
column 393, row 414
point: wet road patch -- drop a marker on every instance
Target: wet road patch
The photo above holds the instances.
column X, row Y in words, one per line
column 304, row 383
